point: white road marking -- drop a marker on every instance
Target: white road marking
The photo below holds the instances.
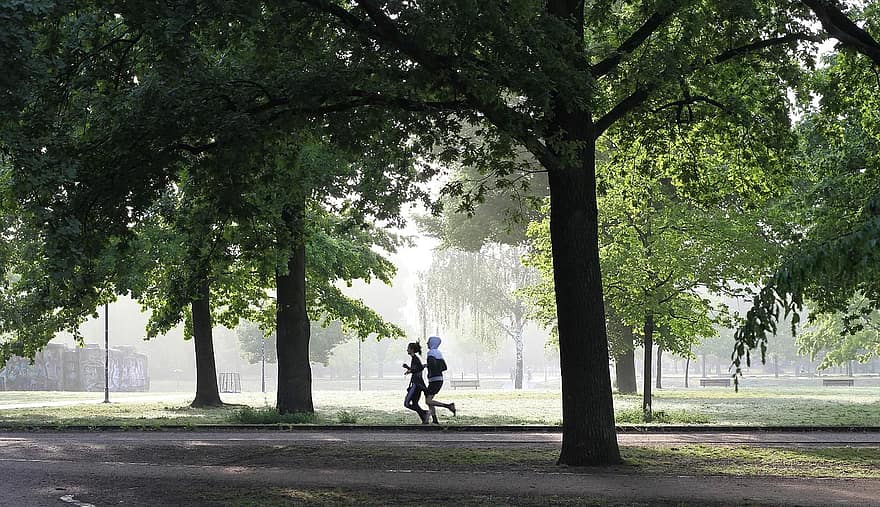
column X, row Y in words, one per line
column 69, row 499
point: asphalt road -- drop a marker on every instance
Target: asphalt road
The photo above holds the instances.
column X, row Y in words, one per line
column 220, row 468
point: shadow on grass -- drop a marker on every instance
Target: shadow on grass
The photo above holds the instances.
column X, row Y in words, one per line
column 842, row 462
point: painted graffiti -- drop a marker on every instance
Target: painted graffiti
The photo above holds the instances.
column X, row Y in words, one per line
column 60, row 368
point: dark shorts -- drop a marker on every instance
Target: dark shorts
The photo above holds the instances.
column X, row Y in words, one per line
column 434, row 387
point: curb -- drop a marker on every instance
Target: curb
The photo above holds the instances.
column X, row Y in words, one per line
column 464, row 429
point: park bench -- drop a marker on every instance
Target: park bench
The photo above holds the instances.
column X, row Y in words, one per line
column 470, row 382
column 724, row 382
column 837, row 382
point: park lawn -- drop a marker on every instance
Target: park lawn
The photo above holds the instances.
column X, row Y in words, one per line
column 697, row 460
column 804, row 407
column 853, row 406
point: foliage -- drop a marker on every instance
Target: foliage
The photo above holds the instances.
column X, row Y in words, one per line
column 266, row 415
column 475, row 214
column 321, row 342
column 661, row 253
column 841, row 340
column 478, row 290
column 147, row 89
column 835, row 257
column 346, row 417
column 142, row 111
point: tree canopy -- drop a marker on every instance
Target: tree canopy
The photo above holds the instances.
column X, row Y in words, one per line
column 134, row 93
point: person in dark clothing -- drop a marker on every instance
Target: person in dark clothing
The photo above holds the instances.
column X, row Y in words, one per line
column 416, row 381
column 436, row 367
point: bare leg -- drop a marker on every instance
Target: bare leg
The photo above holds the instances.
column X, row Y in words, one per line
column 431, row 402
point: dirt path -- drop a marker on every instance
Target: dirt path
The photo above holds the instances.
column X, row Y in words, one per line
column 332, row 468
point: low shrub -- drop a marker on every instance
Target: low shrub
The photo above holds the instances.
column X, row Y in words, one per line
column 346, row 417
column 634, row 416
column 269, row 415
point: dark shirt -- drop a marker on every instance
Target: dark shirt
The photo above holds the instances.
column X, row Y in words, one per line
column 415, row 369
column 436, row 368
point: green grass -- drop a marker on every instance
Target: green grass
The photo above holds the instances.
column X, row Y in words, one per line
column 852, row 407
column 695, row 460
column 268, row 415
column 321, row 497
column 838, row 462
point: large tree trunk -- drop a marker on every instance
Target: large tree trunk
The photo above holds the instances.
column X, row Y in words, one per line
column 588, row 435
column 626, row 365
column 649, row 345
column 207, row 393
column 293, row 331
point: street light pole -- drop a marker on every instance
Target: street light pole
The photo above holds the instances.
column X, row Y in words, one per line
column 106, row 355
column 359, row 364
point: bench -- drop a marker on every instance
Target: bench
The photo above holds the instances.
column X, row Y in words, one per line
column 724, row 382
column 471, row 382
column 837, row 382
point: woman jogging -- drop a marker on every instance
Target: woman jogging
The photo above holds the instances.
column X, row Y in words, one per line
column 436, row 367
column 416, row 382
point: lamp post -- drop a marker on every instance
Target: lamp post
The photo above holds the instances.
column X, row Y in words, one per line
column 359, row 364
column 106, row 354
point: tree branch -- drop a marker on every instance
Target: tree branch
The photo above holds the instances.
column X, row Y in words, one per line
column 626, row 105
column 631, row 44
column 839, row 26
column 765, row 43
column 639, row 96
column 690, row 100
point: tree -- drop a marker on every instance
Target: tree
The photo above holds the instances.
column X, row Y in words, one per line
column 552, row 78
column 217, row 145
column 256, row 345
column 663, row 252
column 841, row 337
column 183, row 251
column 549, row 78
column 483, row 287
column 835, row 258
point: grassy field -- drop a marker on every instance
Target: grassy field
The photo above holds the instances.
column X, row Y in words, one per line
column 821, row 407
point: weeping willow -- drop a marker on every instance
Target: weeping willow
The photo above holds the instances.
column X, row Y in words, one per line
column 476, row 294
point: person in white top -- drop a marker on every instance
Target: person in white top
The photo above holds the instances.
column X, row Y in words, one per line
column 436, row 367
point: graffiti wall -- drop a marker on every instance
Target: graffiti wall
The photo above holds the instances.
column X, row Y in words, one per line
column 60, row 368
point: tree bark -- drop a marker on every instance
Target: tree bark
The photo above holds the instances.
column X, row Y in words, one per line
column 518, row 375
column 659, row 368
column 207, row 393
column 292, row 327
column 687, row 370
column 626, row 366
column 649, row 345
column 588, row 435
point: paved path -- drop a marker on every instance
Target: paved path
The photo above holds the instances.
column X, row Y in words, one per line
column 208, row 468
column 442, row 438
